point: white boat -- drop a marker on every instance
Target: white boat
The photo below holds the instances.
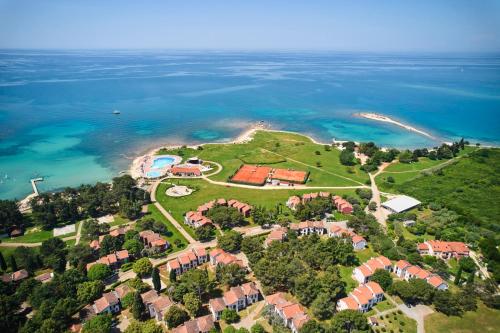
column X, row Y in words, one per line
column 116, row 112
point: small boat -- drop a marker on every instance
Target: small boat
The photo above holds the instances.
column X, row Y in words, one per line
column 116, row 112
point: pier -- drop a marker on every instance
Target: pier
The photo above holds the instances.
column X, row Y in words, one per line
column 33, row 184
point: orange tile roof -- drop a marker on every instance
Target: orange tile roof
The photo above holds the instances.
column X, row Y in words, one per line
column 362, row 294
column 413, row 270
column 177, row 170
column 402, row 264
column 423, row 274
column 292, row 310
column 107, row 299
column 174, row 264
column 435, row 281
column 375, row 287
column 276, row 298
column 350, row 302
column 217, row 304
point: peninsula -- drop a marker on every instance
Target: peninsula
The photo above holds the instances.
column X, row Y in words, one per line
column 385, row 119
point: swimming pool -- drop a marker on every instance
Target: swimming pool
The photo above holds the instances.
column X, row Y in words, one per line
column 153, row 174
column 162, row 162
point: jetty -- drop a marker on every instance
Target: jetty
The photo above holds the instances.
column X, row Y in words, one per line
column 24, row 205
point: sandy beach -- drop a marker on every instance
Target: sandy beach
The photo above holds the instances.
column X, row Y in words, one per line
column 385, row 119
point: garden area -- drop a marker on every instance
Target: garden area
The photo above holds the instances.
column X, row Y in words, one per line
column 397, row 322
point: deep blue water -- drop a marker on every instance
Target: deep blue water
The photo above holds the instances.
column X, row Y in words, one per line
column 56, row 107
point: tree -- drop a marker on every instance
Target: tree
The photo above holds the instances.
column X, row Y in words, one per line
column 406, row 156
column 98, row 272
column 257, row 328
column 205, row 232
column 142, row 267
column 175, row 316
column 80, row 254
column 127, row 300
column 27, row 258
column 230, row 329
column 53, row 252
column 447, row 303
column 89, row 291
column 467, row 264
column 13, row 264
column 9, row 317
column 10, row 216
column 458, row 276
column 230, row 316
column 192, row 303
column 347, row 157
column 138, row 307
column 197, row 281
column 172, row 276
column 323, row 306
column 231, row 275
column 133, row 246
column 149, row 326
column 91, row 229
column 230, row 241
column 225, row 217
column 3, row 264
column 311, row 326
column 98, row 324
column 156, row 279
column 383, row 278
column 349, row 321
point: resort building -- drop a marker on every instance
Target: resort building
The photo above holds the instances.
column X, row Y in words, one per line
column 292, row 314
column 260, row 175
column 187, row 261
column 197, row 325
column 221, row 257
column 401, row 204
column 45, row 277
column 237, row 299
column 407, row 271
column 113, row 260
column 185, row 171
column 196, row 219
column 153, row 240
column 118, row 232
column 358, row 242
column 363, row 273
column 16, row 276
column 443, row 250
column 277, row 235
column 309, row 228
column 363, row 298
column 293, row 202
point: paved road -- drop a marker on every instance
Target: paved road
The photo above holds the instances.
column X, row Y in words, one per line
column 380, row 214
column 79, row 233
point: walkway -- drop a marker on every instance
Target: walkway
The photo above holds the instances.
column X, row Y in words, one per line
column 176, row 224
column 379, row 213
column 482, row 268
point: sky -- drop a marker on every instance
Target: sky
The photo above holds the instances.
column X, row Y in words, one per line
column 368, row 26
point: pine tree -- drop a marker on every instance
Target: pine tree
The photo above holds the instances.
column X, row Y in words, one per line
column 13, row 263
column 3, row 264
column 458, row 276
column 156, row 279
column 172, row 276
column 470, row 279
column 138, row 308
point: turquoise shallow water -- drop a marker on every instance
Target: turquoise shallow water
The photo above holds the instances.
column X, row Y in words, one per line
column 56, row 107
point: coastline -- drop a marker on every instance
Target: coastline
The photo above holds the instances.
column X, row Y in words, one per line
column 386, row 119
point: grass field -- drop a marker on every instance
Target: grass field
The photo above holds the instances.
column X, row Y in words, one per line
column 423, row 163
column 346, row 275
column 365, row 254
column 397, row 322
column 175, row 234
column 205, row 192
column 481, row 321
column 38, row 236
column 279, row 149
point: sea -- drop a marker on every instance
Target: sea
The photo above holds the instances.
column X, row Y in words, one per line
column 57, row 118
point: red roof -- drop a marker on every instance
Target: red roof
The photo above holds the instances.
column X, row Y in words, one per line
column 435, row 281
column 350, row 302
column 292, row 310
column 375, row 287
column 402, row 264
column 189, row 170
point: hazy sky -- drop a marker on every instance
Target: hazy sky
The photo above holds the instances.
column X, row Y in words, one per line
column 350, row 25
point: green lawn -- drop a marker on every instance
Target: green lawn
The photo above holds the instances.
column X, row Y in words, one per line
column 30, row 237
column 346, row 275
column 175, row 234
column 118, row 220
column 483, row 320
column 396, row 322
column 205, row 192
column 279, row 149
column 423, row 163
column 384, row 305
column 365, row 254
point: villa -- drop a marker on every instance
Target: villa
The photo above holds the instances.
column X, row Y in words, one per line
column 156, row 304
column 16, row 276
column 113, row 260
column 197, row 325
column 221, row 257
column 444, row 250
column 292, row 314
column 358, row 242
column 363, row 298
column 406, row 271
column 342, row 205
column 187, row 261
column 237, row 299
column 363, row 273
column 277, row 235
column 198, row 218
column 118, row 232
column 109, row 302
column 153, row 240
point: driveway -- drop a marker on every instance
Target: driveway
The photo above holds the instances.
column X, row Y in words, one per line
column 418, row 312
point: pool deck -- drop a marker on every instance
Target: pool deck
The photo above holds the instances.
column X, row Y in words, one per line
column 145, row 165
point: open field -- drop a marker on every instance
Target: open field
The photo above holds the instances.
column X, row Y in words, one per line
column 37, row 236
column 206, row 192
column 481, row 321
column 175, row 234
column 282, row 150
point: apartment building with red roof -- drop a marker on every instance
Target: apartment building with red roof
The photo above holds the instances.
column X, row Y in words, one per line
column 153, row 240
column 292, row 313
column 187, row 261
column 236, row 298
column 342, row 205
column 443, row 250
column 113, row 260
column 358, row 242
column 277, row 235
column 197, row 325
column 407, row 271
column 363, row 298
column 364, row 272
